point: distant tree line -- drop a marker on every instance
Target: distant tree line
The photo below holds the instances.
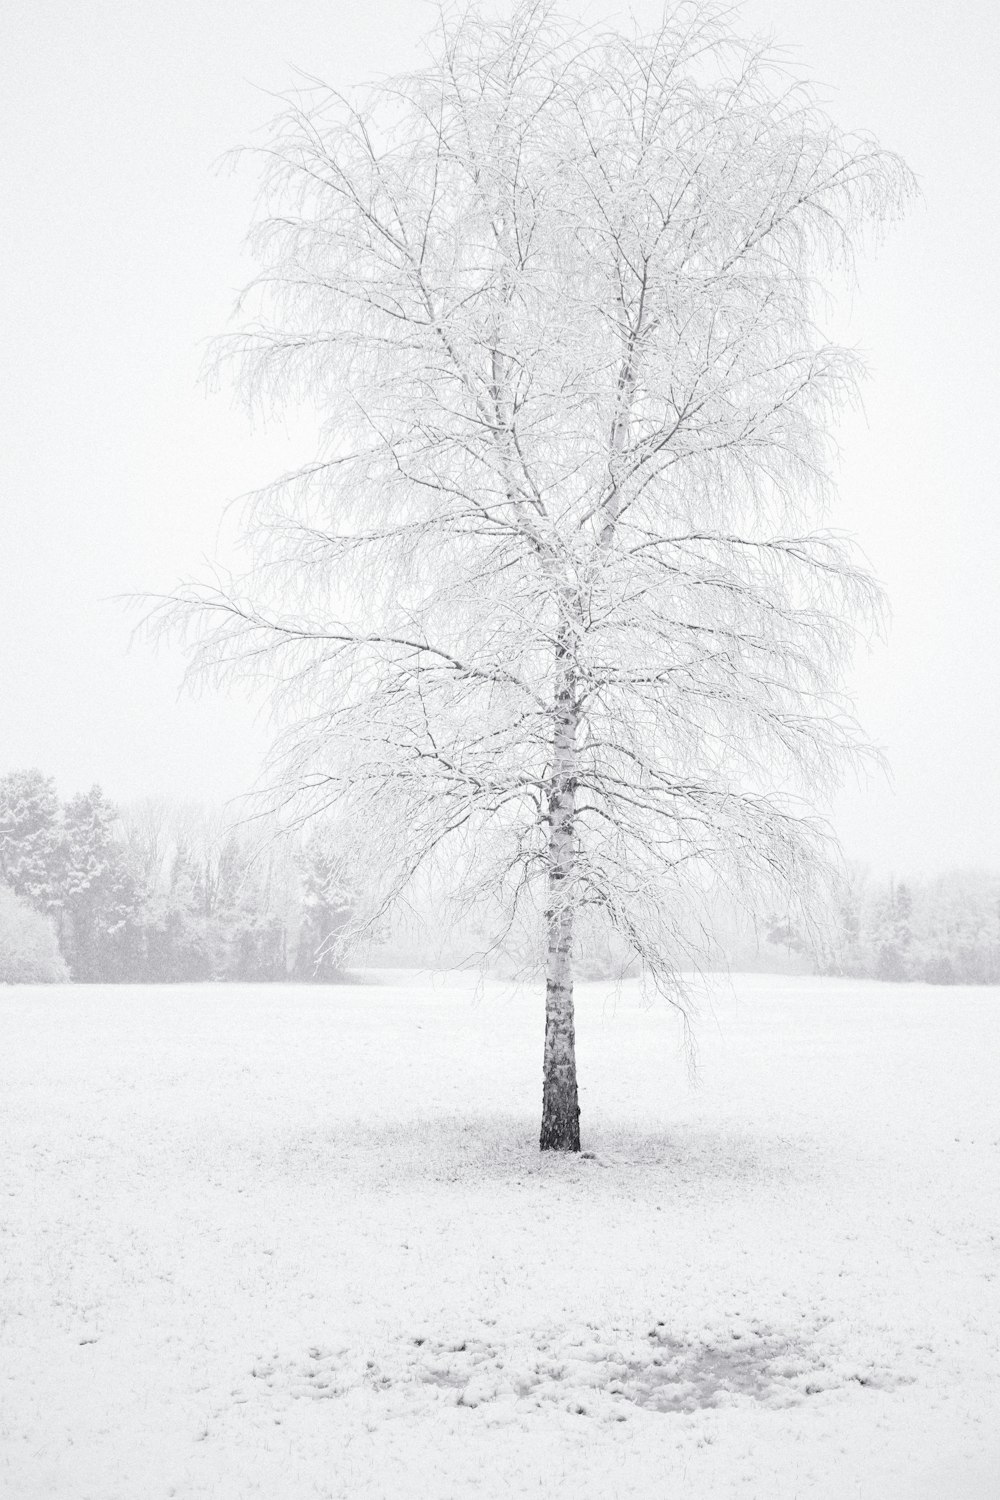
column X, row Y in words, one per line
column 943, row 930
column 159, row 892
column 156, row 893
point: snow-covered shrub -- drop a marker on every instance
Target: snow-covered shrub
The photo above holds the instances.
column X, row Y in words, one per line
column 29, row 953
column 939, row 968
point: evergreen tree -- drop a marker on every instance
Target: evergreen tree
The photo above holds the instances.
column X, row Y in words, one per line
column 31, row 846
column 325, row 910
column 100, row 897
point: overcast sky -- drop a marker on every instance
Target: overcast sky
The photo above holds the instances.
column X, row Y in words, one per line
column 121, row 254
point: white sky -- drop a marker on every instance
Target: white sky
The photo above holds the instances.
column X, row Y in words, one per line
column 120, row 254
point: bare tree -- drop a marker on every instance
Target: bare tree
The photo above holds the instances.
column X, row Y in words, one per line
column 553, row 613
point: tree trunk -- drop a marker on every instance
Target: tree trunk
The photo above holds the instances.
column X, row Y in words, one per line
column 560, row 1106
column 560, row 1109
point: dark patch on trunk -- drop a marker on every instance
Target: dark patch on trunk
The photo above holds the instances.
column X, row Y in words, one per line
column 560, row 1105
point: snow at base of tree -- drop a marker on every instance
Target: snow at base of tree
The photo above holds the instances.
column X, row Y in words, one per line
column 307, row 1245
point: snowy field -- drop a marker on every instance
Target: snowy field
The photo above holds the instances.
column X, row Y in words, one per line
column 298, row 1242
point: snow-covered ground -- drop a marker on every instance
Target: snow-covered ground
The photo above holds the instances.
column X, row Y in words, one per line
column 298, row 1242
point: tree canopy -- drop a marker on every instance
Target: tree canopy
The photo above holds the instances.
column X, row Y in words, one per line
column 555, row 613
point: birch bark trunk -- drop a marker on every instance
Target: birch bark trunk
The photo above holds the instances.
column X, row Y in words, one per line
column 560, row 1106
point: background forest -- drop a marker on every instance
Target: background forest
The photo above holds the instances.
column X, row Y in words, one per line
column 161, row 892
column 155, row 892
